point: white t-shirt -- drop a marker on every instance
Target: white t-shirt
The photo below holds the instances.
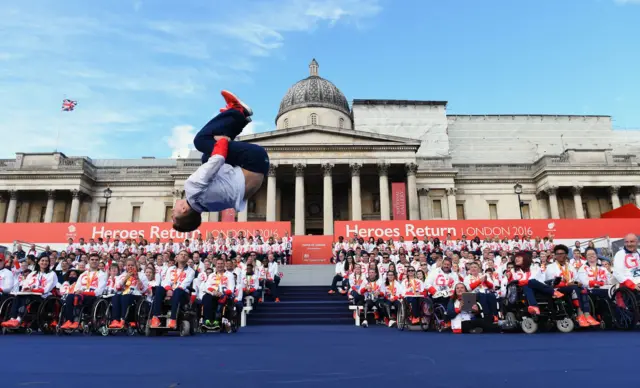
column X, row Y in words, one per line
column 216, row 186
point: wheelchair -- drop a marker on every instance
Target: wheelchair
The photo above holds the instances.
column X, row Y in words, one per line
column 438, row 317
column 91, row 319
column 187, row 321
column 38, row 314
column 136, row 317
column 625, row 307
column 553, row 312
column 404, row 314
column 230, row 319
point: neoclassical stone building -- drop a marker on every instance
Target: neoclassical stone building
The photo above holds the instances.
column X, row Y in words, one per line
column 336, row 161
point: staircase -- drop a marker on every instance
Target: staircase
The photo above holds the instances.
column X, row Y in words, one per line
column 303, row 305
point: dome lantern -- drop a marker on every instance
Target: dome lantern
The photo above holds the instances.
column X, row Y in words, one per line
column 313, row 68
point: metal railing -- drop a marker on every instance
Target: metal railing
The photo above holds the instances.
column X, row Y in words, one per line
column 39, row 248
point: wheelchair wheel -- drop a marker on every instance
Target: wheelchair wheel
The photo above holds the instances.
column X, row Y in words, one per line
column 565, row 325
column 625, row 311
column 235, row 321
column 5, row 309
column 185, row 328
column 100, row 317
column 48, row 313
column 401, row 316
column 143, row 310
column 529, row 326
column 427, row 312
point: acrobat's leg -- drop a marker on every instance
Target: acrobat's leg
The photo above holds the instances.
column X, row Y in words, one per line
column 230, row 122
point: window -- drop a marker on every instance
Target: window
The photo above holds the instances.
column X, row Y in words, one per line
column 135, row 214
column 585, row 210
column 168, row 210
column 314, row 119
column 493, row 211
column 102, row 214
column 437, row 208
column 341, row 123
column 286, row 123
column 460, row 211
column 526, row 214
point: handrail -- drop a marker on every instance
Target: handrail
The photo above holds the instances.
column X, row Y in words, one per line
column 38, row 247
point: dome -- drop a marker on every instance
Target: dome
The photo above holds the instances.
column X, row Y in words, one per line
column 313, row 91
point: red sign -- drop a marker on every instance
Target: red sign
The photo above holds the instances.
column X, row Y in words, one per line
column 60, row 232
column 228, row 215
column 399, row 200
column 311, row 249
column 558, row 229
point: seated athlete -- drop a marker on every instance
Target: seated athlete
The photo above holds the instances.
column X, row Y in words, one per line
column 231, row 172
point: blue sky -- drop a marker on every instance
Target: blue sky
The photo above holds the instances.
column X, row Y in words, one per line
column 147, row 73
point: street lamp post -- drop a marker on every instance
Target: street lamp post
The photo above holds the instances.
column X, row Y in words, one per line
column 518, row 190
column 107, row 194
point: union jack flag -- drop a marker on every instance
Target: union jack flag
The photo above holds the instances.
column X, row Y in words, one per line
column 68, row 105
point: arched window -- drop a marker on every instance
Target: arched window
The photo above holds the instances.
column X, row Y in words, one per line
column 341, row 123
column 286, row 123
column 314, row 119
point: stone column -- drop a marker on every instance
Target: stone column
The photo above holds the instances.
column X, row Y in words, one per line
column 412, row 190
column 553, row 202
column 451, row 203
column 615, row 199
column 75, row 205
column 385, row 203
column 12, row 207
column 214, row 217
column 577, row 201
column 327, row 199
column 423, row 199
column 543, row 206
column 300, row 207
column 635, row 195
column 51, row 201
column 271, row 193
column 356, row 199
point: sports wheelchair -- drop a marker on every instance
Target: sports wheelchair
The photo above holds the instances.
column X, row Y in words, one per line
column 136, row 317
column 230, row 317
column 37, row 314
column 91, row 318
column 624, row 307
column 186, row 318
column 404, row 313
column 553, row 312
column 438, row 307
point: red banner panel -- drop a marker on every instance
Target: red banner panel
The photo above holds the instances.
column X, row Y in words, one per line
column 311, row 249
column 558, row 229
column 228, row 215
column 58, row 233
column 399, row 200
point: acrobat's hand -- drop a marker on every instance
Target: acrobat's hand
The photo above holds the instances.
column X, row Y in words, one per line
column 221, row 147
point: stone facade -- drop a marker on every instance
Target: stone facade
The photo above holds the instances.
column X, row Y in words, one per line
column 332, row 164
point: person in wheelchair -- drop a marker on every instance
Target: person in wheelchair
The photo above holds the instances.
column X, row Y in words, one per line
column 593, row 276
column 131, row 285
column 440, row 282
column 372, row 293
column 39, row 283
column 393, row 293
column 412, row 288
column 218, row 291
column 175, row 285
column 358, row 283
column 463, row 321
column 69, row 284
column 529, row 280
column 89, row 286
column 6, row 280
column 565, row 280
column 483, row 286
column 626, row 264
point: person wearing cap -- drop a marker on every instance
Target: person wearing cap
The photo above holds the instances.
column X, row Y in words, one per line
column 90, row 285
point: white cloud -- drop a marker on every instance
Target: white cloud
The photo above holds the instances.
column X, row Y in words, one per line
column 181, row 141
column 137, row 71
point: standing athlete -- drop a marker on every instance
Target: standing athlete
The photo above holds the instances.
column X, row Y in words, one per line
column 231, row 171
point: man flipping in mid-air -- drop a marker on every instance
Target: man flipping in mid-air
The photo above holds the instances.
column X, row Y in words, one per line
column 231, row 171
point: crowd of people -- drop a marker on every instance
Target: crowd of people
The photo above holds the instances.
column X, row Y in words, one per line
column 216, row 272
column 379, row 274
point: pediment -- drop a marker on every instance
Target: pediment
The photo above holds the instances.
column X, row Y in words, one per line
column 317, row 135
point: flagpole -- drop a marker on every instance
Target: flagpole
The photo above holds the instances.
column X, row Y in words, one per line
column 58, row 126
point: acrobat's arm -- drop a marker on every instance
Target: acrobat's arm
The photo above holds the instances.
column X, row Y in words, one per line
column 205, row 173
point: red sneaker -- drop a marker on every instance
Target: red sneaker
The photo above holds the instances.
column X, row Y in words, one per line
column 582, row 321
column 11, row 324
column 74, row 325
column 66, row 325
column 592, row 321
column 234, row 102
column 533, row 310
column 172, row 324
column 155, row 322
column 114, row 325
